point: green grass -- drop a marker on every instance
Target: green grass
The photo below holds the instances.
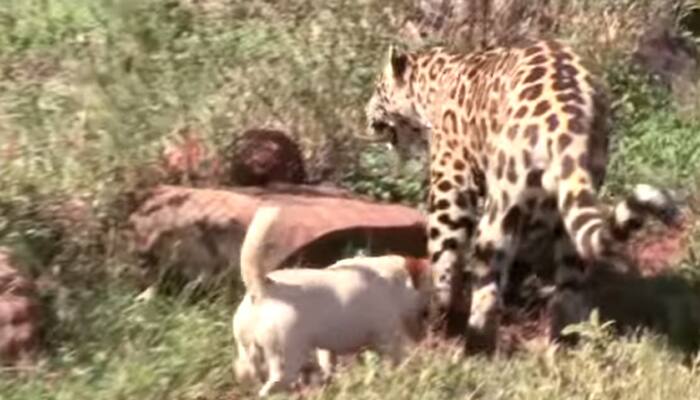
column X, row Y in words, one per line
column 118, row 348
column 90, row 90
column 654, row 141
column 601, row 369
column 169, row 350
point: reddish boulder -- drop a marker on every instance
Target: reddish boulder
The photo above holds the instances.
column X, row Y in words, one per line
column 199, row 231
column 667, row 55
column 19, row 313
column 196, row 232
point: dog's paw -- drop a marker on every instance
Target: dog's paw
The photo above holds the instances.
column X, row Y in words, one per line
column 146, row 295
column 244, row 371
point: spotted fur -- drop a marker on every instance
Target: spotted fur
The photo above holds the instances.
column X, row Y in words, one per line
column 518, row 141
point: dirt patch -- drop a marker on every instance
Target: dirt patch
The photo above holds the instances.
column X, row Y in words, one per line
column 660, row 249
column 522, row 328
column 653, row 299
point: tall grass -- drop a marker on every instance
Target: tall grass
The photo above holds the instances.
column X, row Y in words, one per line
column 91, row 90
column 92, row 86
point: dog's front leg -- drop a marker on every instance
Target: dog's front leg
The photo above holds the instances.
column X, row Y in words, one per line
column 391, row 345
column 326, row 360
column 274, row 384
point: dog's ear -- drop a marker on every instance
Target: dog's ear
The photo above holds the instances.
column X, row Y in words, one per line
column 417, row 268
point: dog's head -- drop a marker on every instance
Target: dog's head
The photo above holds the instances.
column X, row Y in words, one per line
column 418, row 270
column 420, row 279
column 414, row 272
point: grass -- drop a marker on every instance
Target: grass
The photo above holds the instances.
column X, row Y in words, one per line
column 600, row 369
column 654, row 141
column 170, row 349
column 159, row 349
column 90, row 91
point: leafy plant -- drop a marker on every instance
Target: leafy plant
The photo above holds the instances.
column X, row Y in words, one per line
column 380, row 175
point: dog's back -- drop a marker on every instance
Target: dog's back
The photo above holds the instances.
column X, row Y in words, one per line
column 352, row 297
column 352, row 302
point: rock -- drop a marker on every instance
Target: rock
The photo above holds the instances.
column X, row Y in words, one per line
column 199, row 231
column 672, row 60
column 669, row 57
column 19, row 313
column 195, row 232
column 262, row 156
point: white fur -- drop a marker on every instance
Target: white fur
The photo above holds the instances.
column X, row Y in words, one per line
column 647, row 194
column 623, row 213
column 363, row 302
column 485, row 302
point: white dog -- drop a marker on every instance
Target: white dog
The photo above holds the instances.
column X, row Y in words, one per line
column 357, row 303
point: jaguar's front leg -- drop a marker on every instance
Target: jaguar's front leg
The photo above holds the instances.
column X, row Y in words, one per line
column 453, row 203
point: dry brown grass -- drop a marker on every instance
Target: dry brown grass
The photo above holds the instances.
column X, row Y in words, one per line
column 601, row 30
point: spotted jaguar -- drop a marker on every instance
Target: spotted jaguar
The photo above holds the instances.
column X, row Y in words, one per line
column 518, row 142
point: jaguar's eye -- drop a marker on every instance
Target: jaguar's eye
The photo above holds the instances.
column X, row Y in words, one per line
column 380, row 126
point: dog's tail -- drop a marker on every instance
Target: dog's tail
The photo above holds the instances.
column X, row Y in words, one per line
column 253, row 270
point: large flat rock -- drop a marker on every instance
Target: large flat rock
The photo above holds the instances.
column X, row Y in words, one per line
column 201, row 230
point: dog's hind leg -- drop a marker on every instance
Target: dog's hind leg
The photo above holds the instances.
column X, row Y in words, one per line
column 275, row 377
column 283, row 371
column 244, row 363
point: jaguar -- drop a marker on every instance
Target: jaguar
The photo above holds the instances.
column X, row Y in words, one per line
column 518, row 142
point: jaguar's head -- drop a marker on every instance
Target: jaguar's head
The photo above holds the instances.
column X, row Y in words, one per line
column 393, row 113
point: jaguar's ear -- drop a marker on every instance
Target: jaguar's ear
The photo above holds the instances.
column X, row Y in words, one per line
column 398, row 62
